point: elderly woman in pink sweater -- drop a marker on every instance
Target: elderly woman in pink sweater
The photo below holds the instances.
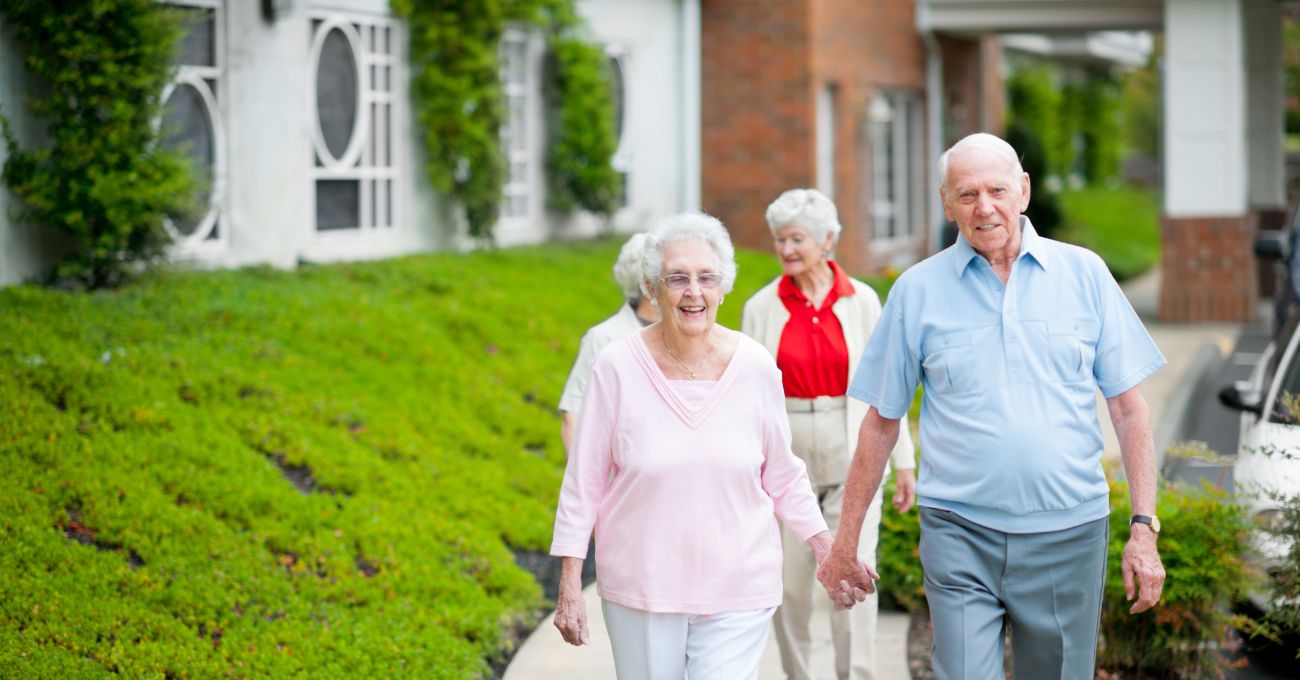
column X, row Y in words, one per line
column 681, row 464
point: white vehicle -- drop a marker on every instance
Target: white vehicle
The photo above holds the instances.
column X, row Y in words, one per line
column 1268, row 447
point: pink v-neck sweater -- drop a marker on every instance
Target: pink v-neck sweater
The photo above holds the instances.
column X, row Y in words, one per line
column 684, row 500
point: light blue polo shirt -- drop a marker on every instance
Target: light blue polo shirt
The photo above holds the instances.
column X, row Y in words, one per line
column 1009, row 431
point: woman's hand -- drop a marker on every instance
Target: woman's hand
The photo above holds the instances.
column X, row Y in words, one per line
column 904, row 490
column 570, row 607
column 821, row 545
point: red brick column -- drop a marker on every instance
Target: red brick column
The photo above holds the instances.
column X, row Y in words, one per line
column 1208, row 269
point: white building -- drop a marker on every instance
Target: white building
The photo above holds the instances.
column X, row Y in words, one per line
column 301, row 113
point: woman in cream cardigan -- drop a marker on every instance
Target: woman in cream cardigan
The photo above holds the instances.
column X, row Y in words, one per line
column 815, row 320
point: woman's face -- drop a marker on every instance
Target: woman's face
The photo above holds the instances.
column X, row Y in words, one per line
column 797, row 251
column 692, row 309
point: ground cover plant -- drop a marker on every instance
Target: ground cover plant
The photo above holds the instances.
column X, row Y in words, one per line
column 257, row 473
column 1121, row 224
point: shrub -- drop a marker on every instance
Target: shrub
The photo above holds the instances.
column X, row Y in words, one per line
column 578, row 168
column 1203, row 532
column 104, row 179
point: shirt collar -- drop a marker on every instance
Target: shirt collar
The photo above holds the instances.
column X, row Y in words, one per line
column 842, row 286
column 1031, row 244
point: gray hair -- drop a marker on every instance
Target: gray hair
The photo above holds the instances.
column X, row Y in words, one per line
column 627, row 268
column 808, row 208
column 979, row 140
column 683, row 227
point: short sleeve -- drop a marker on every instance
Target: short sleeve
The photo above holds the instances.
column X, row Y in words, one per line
column 1126, row 354
column 889, row 370
column 576, row 385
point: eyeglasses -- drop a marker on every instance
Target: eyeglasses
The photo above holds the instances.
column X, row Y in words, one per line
column 681, row 281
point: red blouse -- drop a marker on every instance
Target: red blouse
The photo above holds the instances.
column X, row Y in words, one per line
column 812, row 356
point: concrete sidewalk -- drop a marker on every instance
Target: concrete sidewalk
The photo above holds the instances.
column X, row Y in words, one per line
column 1192, row 351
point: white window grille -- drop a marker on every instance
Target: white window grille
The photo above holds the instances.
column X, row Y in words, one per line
column 354, row 179
column 516, row 136
column 895, row 133
column 192, row 122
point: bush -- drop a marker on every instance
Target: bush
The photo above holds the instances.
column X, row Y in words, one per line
column 104, row 180
column 578, row 168
column 1122, row 225
column 1203, row 533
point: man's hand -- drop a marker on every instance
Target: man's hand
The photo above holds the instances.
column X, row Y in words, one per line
column 846, row 579
column 1142, row 569
column 904, row 490
column 570, row 607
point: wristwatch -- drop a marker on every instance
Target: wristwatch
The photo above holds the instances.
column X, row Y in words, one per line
column 1153, row 522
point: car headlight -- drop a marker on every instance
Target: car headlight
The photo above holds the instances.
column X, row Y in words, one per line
column 1269, row 520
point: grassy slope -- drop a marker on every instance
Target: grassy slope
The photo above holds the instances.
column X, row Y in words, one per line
column 1121, row 225
column 161, row 424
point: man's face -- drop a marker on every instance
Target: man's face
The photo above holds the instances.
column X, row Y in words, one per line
column 985, row 197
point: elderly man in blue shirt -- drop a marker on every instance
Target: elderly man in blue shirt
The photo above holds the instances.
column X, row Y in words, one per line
column 1010, row 333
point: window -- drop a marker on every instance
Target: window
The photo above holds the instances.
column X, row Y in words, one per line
column 352, row 96
column 622, row 160
column 191, row 123
column 516, row 135
column 897, row 175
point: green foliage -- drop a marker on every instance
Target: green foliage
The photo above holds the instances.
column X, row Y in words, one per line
column 1285, row 581
column 1140, row 104
column 103, row 179
column 458, row 100
column 1035, row 103
column 578, row 166
column 1044, row 209
column 267, row 474
column 1100, row 127
column 1200, row 545
column 1122, row 225
column 1076, row 122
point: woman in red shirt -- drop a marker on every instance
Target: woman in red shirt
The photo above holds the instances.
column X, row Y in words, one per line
column 815, row 320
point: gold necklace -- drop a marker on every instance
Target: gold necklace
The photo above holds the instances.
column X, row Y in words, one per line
column 690, row 372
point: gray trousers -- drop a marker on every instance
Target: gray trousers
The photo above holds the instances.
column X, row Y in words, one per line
column 1047, row 587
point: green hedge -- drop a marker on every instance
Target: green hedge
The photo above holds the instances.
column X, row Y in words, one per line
column 260, row 473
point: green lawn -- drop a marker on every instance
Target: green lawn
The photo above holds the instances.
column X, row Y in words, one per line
column 261, row 473
column 1121, row 225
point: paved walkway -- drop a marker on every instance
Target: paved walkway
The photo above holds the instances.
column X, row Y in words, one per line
column 1192, row 351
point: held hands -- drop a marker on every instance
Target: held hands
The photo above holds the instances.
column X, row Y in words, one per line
column 847, row 580
column 1142, row 569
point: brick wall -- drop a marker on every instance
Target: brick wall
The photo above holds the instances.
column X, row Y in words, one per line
column 762, row 64
column 1208, row 269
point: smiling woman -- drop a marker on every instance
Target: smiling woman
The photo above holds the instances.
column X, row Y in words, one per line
column 683, row 493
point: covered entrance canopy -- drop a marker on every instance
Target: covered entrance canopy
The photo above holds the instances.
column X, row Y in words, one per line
column 1223, row 155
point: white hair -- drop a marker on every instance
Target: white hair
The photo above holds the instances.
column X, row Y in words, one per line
column 984, row 141
column 682, row 227
column 808, row 208
column 627, row 268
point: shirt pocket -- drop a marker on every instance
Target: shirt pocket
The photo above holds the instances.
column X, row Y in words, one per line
column 948, row 362
column 1072, row 347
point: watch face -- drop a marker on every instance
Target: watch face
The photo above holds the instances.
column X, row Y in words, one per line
column 1155, row 524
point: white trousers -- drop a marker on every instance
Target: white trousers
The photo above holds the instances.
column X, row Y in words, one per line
column 663, row 646
column 853, row 632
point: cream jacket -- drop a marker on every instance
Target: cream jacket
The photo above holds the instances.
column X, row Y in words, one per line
column 764, row 319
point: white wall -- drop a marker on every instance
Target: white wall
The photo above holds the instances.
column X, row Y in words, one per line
column 660, row 103
column 1204, row 109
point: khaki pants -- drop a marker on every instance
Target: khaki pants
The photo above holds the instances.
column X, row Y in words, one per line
column 819, row 439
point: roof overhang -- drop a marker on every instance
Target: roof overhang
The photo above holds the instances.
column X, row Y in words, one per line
column 1072, row 16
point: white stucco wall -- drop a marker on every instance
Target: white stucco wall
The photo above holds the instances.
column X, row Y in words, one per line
column 1204, row 109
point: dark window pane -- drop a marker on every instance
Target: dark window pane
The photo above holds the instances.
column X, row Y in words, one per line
column 616, row 94
column 338, row 204
column 198, row 47
column 336, row 92
column 187, row 128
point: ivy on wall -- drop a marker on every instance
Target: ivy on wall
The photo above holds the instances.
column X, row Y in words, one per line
column 102, row 179
column 459, row 103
